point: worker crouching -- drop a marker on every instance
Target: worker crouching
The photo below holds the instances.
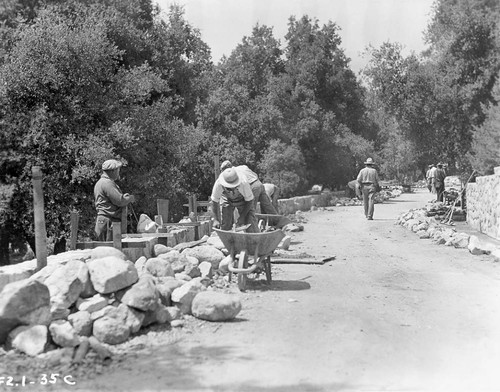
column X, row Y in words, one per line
column 231, row 192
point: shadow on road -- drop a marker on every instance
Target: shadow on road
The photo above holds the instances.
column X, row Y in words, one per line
column 278, row 285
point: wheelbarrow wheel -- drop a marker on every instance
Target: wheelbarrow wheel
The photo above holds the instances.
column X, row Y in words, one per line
column 242, row 263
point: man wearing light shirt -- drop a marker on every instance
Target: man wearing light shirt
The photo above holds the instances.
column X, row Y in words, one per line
column 258, row 190
column 231, row 191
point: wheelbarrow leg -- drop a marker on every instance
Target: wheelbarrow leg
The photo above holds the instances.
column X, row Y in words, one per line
column 267, row 268
column 242, row 264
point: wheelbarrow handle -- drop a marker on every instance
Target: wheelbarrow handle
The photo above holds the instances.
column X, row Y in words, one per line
column 242, row 270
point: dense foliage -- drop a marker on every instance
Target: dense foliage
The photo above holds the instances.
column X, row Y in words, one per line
column 82, row 81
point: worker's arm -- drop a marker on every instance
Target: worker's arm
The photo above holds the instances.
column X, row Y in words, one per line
column 116, row 196
column 214, row 212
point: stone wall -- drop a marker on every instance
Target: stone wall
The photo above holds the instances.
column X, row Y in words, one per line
column 304, row 203
column 483, row 204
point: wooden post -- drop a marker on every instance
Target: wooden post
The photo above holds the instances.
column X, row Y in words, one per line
column 74, row 218
column 117, row 235
column 194, row 202
column 190, row 205
column 124, row 220
column 216, row 167
column 162, row 207
column 39, row 215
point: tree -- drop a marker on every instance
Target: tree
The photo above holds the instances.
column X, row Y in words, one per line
column 485, row 152
column 284, row 166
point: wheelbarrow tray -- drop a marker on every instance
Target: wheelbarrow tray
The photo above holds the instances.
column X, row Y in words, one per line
column 257, row 244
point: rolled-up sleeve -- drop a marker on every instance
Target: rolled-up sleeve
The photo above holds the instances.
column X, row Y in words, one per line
column 216, row 192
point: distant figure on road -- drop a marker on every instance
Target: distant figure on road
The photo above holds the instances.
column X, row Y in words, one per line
column 273, row 192
column 369, row 183
column 429, row 177
column 439, row 177
column 109, row 200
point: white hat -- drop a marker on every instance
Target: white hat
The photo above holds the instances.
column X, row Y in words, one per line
column 369, row 161
column 229, row 178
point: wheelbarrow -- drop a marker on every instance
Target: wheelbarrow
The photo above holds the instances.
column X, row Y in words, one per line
column 272, row 221
column 259, row 245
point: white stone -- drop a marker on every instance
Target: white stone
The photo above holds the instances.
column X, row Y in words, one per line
column 110, row 274
column 92, row 304
column 215, row 306
column 63, row 333
column 29, row 339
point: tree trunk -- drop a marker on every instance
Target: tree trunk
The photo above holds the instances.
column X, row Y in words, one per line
column 4, row 245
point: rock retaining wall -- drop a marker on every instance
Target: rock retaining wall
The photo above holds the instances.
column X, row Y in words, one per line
column 483, row 204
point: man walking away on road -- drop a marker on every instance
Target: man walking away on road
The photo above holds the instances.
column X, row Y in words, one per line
column 428, row 177
column 439, row 177
column 369, row 183
column 109, row 200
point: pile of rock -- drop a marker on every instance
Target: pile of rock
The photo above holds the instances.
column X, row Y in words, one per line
column 385, row 194
column 98, row 296
column 424, row 223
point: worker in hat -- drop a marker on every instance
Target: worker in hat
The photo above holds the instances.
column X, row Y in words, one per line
column 439, row 177
column 369, row 184
column 232, row 191
column 258, row 189
column 109, row 200
column 429, row 176
column 273, row 192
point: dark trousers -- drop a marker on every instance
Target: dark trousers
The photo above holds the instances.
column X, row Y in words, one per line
column 103, row 228
column 227, row 217
column 440, row 192
column 260, row 196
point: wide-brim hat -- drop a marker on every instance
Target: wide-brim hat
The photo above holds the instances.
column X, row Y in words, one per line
column 369, row 161
column 229, row 178
column 111, row 164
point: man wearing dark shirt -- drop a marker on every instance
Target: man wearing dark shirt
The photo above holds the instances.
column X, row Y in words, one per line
column 109, row 200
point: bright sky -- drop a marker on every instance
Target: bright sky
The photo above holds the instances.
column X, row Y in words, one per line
column 223, row 23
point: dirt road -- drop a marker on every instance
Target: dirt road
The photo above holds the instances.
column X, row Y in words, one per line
column 391, row 312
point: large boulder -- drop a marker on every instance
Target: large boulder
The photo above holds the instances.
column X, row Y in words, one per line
column 110, row 330
column 205, row 253
column 81, row 322
column 159, row 267
column 106, row 251
column 142, row 295
column 183, row 296
column 66, row 284
column 111, row 273
column 23, row 302
column 123, row 314
column 28, row 339
column 215, row 306
column 63, row 333
column 92, row 304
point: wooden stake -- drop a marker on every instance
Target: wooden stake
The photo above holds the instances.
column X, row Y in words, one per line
column 39, row 215
column 216, row 167
column 117, row 235
column 74, row 218
column 124, row 220
column 162, row 207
